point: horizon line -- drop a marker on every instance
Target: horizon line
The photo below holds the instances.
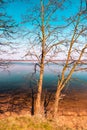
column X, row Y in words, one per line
column 37, row 60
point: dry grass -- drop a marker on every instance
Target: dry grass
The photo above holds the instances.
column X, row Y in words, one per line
column 29, row 123
column 38, row 123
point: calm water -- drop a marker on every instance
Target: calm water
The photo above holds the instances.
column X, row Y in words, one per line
column 19, row 75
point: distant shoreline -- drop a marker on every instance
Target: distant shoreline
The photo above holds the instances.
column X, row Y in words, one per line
column 36, row 61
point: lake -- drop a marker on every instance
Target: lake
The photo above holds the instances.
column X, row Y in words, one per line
column 20, row 74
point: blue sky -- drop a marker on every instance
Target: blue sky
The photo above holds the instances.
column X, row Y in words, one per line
column 19, row 8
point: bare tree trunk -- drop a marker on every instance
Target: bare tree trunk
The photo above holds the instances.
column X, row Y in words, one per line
column 56, row 102
column 38, row 99
column 39, row 93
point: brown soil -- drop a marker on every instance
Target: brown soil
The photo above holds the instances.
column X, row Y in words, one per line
column 72, row 106
column 21, row 100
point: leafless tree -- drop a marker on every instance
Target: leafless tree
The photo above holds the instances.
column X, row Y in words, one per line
column 47, row 37
column 76, row 45
column 44, row 37
column 7, row 30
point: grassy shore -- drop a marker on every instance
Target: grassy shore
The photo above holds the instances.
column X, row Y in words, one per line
column 27, row 122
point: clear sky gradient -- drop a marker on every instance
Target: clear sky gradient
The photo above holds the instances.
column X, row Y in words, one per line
column 19, row 8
